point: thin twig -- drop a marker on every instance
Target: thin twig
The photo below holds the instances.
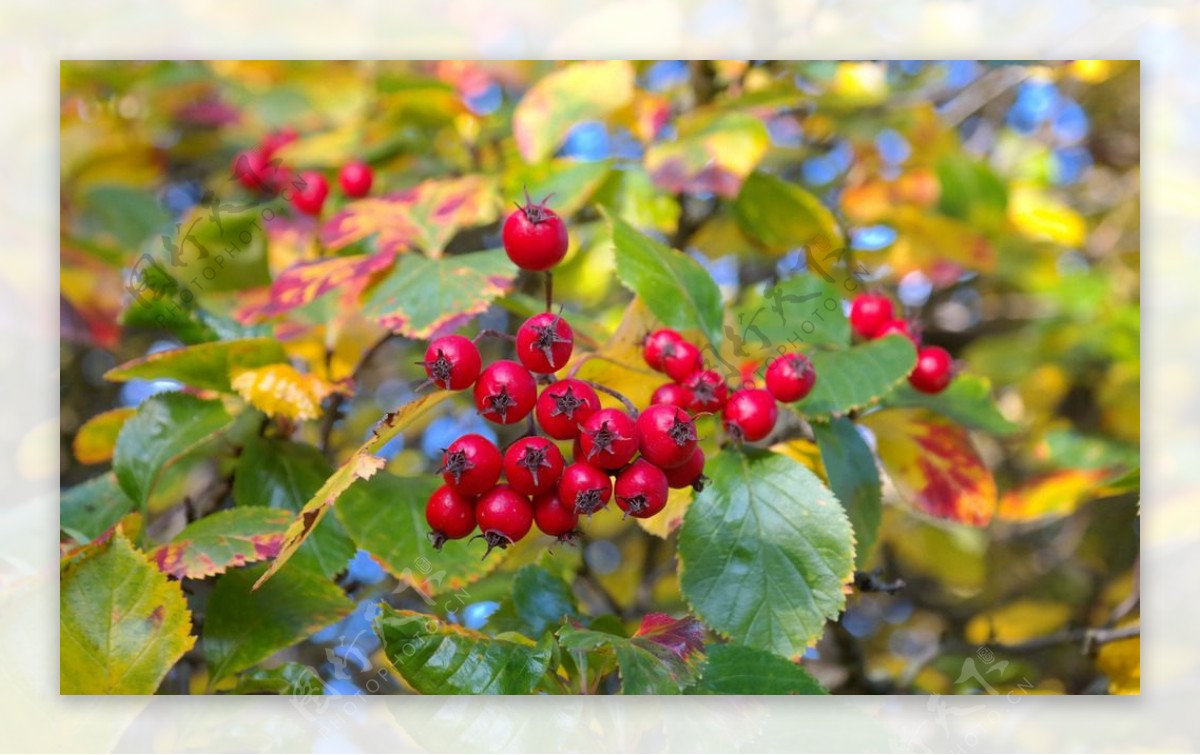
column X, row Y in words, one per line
column 339, row 399
column 629, row 405
column 985, row 89
column 1088, row 637
column 549, row 290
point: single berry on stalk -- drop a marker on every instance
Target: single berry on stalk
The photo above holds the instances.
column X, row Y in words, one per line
column 450, row 515
column 554, row 518
column 790, row 377
column 658, row 345
column 641, row 489
column 311, row 190
column 534, row 236
column 666, row 435
column 452, row 362
column 563, row 406
column 584, row 488
column 544, row 343
column 708, row 390
column 682, row 362
column 505, row 392
column 672, row 393
column 533, row 465
column 933, row 371
column 689, row 474
column 471, row 465
column 504, row 516
column 750, row 414
column 869, row 313
column 609, row 439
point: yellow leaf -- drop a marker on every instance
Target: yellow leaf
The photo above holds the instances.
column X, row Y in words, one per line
column 279, row 390
column 577, row 92
column 1017, row 622
column 1121, row 662
column 1053, row 495
column 803, row 451
column 715, row 156
column 95, row 441
column 668, row 520
column 619, row 364
column 1040, row 216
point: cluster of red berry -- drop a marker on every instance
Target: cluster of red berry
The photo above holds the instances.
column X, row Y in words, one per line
column 260, row 171
column 872, row 316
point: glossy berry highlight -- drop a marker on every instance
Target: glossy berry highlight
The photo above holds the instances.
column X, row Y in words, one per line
column 869, row 313
column 355, row 179
column 790, row 377
column 933, row 371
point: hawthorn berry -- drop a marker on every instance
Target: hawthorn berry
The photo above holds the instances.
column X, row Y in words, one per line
column 659, row 344
column 277, row 140
column 933, row 370
column 750, row 414
column 452, row 362
column 790, row 377
column 310, row 194
column 450, row 515
column 533, row 465
column 897, row 327
column 683, row 360
column 563, row 406
column 609, row 439
column 356, row 178
column 584, row 488
column 689, row 474
column 708, row 390
column 534, row 236
column 504, row 516
column 673, row 394
column 869, row 313
column 666, row 435
column 505, row 392
column 471, row 464
column 249, row 168
column 544, row 343
column 554, row 518
column 641, row 489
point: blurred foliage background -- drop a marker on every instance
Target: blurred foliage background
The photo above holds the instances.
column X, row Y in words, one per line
column 997, row 202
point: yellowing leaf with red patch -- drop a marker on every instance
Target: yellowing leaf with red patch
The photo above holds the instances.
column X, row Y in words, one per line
column 933, row 465
column 714, row 155
column 303, row 283
column 577, row 92
column 278, row 390
column 425, row 217
column 234, row 537
column 96, row 440
column 1051, row 496
column 290, row 241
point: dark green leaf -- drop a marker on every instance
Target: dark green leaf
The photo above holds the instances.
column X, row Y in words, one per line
column 967, row 400
column 292, row 679
column 850, row 467
column 539, row 601
column 661, row 658
column 782, row 216
column 91, row 507
column 801, row 311
column 739, row 670
column 131, row 215
column 857, row 377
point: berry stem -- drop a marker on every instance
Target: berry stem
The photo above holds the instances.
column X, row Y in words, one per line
column 489, row 333
column 549, row 290
column 629, row 405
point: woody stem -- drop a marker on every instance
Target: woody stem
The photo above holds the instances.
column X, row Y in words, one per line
column 549, row 290
column 629, row 405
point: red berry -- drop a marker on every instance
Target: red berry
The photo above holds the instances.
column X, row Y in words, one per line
column 897, row 327
column 708, row 390
column 452, row 362
column 689, row 474
column 750, row 414
column 933, row 371
column 355, row 178
column 533, row 465
column 641, row 489
column 451, row 515
column 564, row 405
column 790, row 377
column 544, row 343
column 505, row 392
column 673, row 394
column 584, row 488
column 249, row 168
column 471, row 465
column 504, row 516
column 276, row 140
column 659, row 344
column 869, row 313
column 535, row 237
column 555, row 519
column 683, row 360
column 310, row 194
column 609, row 439
column 666, row 435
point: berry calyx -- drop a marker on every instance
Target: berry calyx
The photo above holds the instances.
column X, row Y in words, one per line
column 708, row 390
column 310, row 194
column 533, row 465
column 534, row 236
column 897, row 327
column 452, row 362
column 450, row 515
column 689, row 474
column 682, row 362
column 505, row 392
column 554, row 518
column 869, row 313
column 750, row 414
column 608, row 439
column 666, row 435
column 933, row 371
column 659, row 344
column 356, row 178
column 790, row 377
column 544, row 343
column 504, row 516
column 584, row 488
column 673, row 394
column 471, row 464
column 641, row 489
column 563, row 406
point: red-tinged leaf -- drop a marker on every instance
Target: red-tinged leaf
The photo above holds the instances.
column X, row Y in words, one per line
column 577, row 92
column 234, row 537
column 290, row 241
column 95, row 441
column 933, row 465
column 92, row 289
column 1051, row 496
column 662, row 658
column 304, row 283
column 714, row 155
column 683, row 637
column 424, row 217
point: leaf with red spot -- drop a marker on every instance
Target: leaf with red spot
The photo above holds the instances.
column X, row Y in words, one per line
column 234, row 537
column 290, row 241
column 661, row 658
column 711, row 155
column 933, row 465
column 683, row 637
column 424, row 217
column 422, row 297
column 304, row 283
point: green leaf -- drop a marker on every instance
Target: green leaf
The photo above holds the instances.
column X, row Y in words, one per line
column 577, row 92
column 711, row 154
column 971, row 191
column 436, row 658
column 782, row 216
column 131, row 215
column 123, row 624
column 570, row 182
column 91, row 507
column 764, row 552
column 660, row 659
column 385, row 515
column 167, row 427
column 850, row 467
column 234, row 537
column 243, row 626
column 738, row 670
column 206, row 365
column 421, row 296
column 967, row 401
column 292, row 679
column 676, row 288
column 857, row 377
column 539, row 601
column 279, row 474
column 801, row 311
